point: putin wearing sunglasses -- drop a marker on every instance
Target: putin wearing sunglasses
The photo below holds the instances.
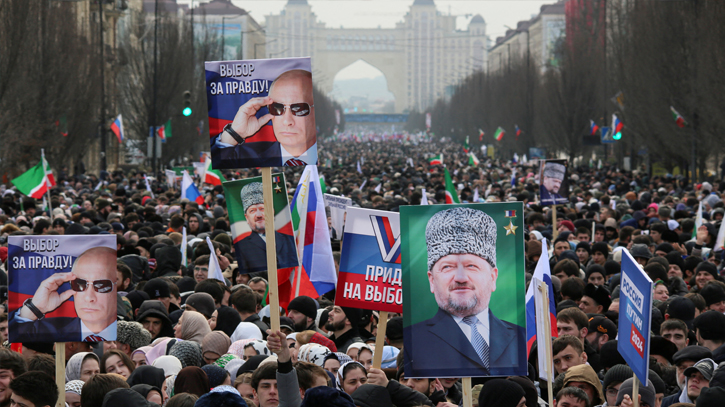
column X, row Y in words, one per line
column 93, row 288
column 292, row 112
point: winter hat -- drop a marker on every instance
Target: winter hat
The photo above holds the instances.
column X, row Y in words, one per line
column 313, row 353
column 216, row 342
column 461, row 231
column 252, row 364
column 594, row 268
column 710, row 397
column 657, row 382
column 600, row 294
column 203, row 303
column 712, row 293
column 369, row 395
column 251, row 195
column 609, row 355
column 324, row 396
column 501, row 393
column 647, row 392
column 554, row 170
column 157, row 288
column 707, row 267
column 170, row 365
column 532, row 397
column 601, row 247
column 304, row 305
column 226, row 398
column 133, row 334
column 324, row 341
column 215, row 374
column 188, row 353
column 640, row 250
column 711, row 325
column 353, row 315
column 585, row 246
column 616, row 374
column 125, row 398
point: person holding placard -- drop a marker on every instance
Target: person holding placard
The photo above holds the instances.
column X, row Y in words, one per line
column 462, row 274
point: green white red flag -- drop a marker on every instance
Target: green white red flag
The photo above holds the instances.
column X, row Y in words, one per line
column 436, row 160
column 48, row 173
column 451, row 193
column 679, row 120
column 472, row 160
column 33, row 182
column 499, row 133
column 211, row 176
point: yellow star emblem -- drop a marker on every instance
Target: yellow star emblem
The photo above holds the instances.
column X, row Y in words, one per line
column 277, row 188
column 511, row 229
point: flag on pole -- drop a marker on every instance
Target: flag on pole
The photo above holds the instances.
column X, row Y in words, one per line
column 48, row 172
column 500, row 132
column 515, row 158
column 148, row 186
column 480, row 135
column 720, row 241
column 513, row 178
column 377, row 187
column 698, row 221
column 679, row 120
column 170, row 178
column 424, row 199
column 189, row 190
column 211, row 176
column 475, row 196
column 117, row 128
column 543, row 273
column 617, row 124
column 359, row 170
column 317, row 274
column 466, row 147
column 593, row 128
column 518, row 130
column 215, row 271
column 33, row 182
column 451, row 193
column 436, row 160
column 472, row 160
column 363, row 184
column 184, row 246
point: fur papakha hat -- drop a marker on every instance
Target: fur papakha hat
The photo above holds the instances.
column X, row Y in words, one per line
column 461, row 231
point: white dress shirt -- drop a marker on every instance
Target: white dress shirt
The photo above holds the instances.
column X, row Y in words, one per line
column 108, row 333
column 309, row 156
column 482, row 326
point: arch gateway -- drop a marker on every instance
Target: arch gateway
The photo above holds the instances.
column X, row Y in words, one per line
column 423, row 58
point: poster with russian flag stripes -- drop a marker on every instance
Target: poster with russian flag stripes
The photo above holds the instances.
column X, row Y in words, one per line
column 370, row 272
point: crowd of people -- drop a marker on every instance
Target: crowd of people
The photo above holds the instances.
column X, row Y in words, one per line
column 186, row 340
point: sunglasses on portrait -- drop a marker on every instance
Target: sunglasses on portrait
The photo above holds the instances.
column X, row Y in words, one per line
column 101, row 286
column 297, row 109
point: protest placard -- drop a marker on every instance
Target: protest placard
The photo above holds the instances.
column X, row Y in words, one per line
column 370, row 273
column 336, row 207
column 261, row 113
column 635, row 316
column 245, row 204
column 463, row 272
column 554, row 185
column 62, row 288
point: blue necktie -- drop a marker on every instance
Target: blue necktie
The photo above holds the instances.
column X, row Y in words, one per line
column 479, row 344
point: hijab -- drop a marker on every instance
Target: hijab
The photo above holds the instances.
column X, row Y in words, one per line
column 194, row 326
column 75, row 364
column 192, row 380
column 147, row 375
column 160, row 349
column 144, row 350
column 188, row 353
column 340, row 375
column 227, row 320
column 169, row 364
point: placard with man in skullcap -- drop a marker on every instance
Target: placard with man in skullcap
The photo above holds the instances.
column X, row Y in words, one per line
column 463, row 297
column 554, row 185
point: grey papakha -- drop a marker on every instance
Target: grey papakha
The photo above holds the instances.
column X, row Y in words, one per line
column 461, row 231
column 554, row 170
column 252, row 194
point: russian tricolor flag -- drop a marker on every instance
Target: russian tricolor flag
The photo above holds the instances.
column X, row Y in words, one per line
column 617, row 124
column 189, row 190
column 543, row 273
column 312, row 236
column 117, row 129
column 593, row 128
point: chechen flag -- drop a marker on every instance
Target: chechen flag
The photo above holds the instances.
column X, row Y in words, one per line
column 189, row 190
column 312, row 235
column 50, row 178
column 542, row 273
column 33, row 182
column 212, row 176
column 679, row 120
column 451, row 193
column 117, row 129
column 436, row 160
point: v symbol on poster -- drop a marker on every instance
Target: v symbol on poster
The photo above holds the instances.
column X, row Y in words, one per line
column 388, row 244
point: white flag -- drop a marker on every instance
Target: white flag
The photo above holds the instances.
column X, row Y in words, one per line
column 215, row 271
column 424, row 199
column 377, row 187
column 363, row 184
column 170, row 178
column 148, row 186
column 720, row 241
column 475, row 196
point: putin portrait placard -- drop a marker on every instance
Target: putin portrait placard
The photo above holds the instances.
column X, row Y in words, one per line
column 261, row 113
column 463, row 290
column 62, row 288
column 554, row 184
column 247, row 216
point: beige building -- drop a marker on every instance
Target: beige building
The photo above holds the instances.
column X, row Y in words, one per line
column 538, row 37
column 423, row 58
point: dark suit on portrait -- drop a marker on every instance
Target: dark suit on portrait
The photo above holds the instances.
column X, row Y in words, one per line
column 247, row 155
column 439, row 348
column 547, row 198
column 58, row 329
column 252, row 252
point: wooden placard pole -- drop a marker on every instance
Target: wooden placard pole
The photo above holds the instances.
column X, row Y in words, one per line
column 635, row 391
column 544, row 289
column 554, row 229
column 380, row 339
column 271, row 248
column 467, row 392
column 60, row 372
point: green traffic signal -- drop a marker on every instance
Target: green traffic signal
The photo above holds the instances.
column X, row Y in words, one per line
column 186, row 112
column 617, row 135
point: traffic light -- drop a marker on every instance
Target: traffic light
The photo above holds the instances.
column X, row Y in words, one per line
column 617, row 135
column 187, row 104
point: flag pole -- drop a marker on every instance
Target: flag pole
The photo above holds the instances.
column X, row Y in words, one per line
column 380, row 339
column 301, row 232
column 554, row 230
column 635, row 390
column 467, row 394
column 60, row 372
column 547, row 340
column 47, row 187
column 271, row 249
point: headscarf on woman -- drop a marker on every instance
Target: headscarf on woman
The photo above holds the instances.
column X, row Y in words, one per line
column 169, row 364
column 146, row 374
column 192, row 380
column 188, row 353
column 340, row 375
column 194, row 326
column 227, row 320
column 217, row 343
column 237, row 348
column 161, row 348
column 145, row 350
column 74, row 386
column 75, row 364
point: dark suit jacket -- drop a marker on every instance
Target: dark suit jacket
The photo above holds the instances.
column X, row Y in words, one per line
column 438, row 348
column 247, row 155
column 252, row 252
column 59, row 329
column 547, row 198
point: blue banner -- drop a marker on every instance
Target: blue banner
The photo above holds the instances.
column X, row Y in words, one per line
column 635, row 316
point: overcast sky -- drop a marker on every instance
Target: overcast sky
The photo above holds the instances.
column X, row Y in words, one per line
column 385, row 13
